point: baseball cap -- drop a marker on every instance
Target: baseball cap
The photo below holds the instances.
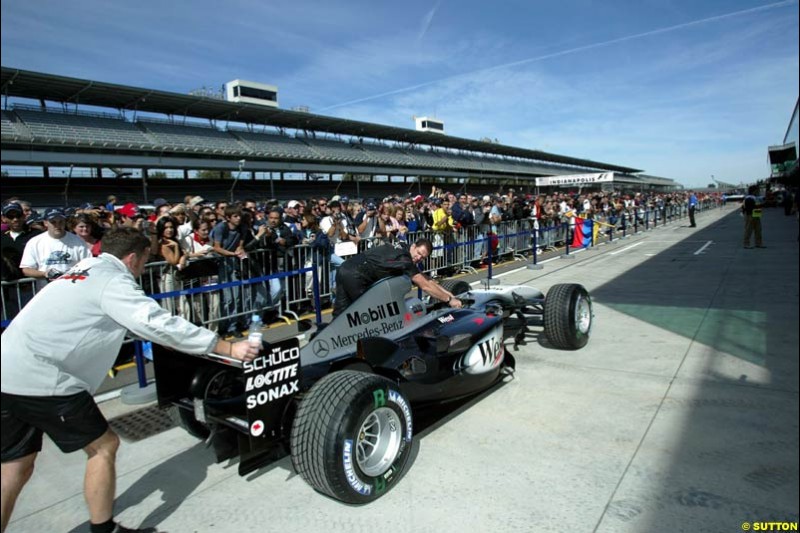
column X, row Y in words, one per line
column 418, row 198
column 370, row 205
column 292, row 204
column 129, row 210
column 344, row 199
column 53, row 213
column 13, row 206
column 335, row 198
column 196, row 200
column 158, row 202
column 334, row 203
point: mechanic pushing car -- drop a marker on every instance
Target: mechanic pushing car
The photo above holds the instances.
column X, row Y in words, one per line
column 359, row 272
column 56, row 354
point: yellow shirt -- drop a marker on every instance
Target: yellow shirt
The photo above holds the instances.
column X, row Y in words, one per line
column 441, row 221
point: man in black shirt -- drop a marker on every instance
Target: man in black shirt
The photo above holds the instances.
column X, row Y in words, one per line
column 359, row 272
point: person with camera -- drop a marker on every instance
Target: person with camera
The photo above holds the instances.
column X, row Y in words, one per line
column 342, row 235
column 369, row 227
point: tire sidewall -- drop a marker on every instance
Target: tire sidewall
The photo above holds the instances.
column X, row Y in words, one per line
column 580, row 338
column 364, row 488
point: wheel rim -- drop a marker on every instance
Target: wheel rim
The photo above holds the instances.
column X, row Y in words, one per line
column 378, row 441
column 583, row 314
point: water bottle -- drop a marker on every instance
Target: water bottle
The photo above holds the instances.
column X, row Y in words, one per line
column 256, row 335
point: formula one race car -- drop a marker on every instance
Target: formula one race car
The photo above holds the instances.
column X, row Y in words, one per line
column 342, row 403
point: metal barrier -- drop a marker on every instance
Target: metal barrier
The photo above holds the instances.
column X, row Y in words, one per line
column 223, row 292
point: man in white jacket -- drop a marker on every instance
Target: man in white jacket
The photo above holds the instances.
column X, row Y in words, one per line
column 56, row 353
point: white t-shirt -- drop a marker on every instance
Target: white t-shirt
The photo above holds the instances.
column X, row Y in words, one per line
column 43, row 252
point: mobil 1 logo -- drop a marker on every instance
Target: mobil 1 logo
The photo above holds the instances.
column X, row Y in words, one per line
column 271, row 380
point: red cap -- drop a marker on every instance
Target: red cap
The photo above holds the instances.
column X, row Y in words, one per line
column 129, row 210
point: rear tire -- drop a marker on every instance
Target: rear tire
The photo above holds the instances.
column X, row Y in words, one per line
column 352, row 436
column 185, row 419
column 568, row 316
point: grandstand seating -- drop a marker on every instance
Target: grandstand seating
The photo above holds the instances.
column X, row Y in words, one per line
column 270, row 145
column 30, row 124
column 338, row 151
column 194, row 138
column 63, row 128
column 386, row 155
column 13, row 129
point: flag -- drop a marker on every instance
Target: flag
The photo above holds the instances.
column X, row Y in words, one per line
column 585, row 232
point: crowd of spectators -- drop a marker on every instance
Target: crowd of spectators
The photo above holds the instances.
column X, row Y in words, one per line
column 45, row 245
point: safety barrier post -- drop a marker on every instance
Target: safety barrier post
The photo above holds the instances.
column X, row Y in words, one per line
column 567, row 242
column 142, row 391
column 534, row 265
column 315, row 286
column 140, row 362
column 489, row 280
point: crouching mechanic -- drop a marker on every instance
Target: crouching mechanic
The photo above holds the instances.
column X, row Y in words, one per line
column 56, row 353
column 359, row 272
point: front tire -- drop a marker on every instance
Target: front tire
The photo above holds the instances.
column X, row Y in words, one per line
column 568, row 316
column 352, row 436
column 456, row 286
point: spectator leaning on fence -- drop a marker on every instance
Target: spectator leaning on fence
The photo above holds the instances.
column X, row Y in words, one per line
column 48, row 377
column 52, row 253
column 87, row 228
column 227, row 239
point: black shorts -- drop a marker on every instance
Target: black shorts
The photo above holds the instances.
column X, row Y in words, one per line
column 72, row 422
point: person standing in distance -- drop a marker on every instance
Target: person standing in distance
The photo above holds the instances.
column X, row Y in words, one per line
column 49, row 375
column 359, row 272
column 751, row 210
column 692, row 208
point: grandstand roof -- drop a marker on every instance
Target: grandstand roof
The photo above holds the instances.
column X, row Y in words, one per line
column 36, row 85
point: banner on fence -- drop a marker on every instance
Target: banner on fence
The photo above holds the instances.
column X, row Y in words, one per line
column 585, row 232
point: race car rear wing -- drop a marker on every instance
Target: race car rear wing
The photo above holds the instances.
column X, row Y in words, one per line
column 243, row 404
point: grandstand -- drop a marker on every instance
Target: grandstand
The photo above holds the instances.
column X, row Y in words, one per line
column 147, row 129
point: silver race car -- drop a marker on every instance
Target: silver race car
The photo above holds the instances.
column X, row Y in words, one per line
column 341, row 399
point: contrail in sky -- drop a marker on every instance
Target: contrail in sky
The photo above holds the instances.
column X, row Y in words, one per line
column 562, row 52
column 426, row 22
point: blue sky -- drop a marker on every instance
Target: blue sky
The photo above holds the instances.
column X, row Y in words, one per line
column 683, row 89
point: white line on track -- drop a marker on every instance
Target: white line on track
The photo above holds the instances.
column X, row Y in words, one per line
column 626, row 248
column 706, row 245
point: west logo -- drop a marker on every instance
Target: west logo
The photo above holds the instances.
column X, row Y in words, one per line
column 489, row 351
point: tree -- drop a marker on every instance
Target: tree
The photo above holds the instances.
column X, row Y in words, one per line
column 213, row 174
column 712, row 186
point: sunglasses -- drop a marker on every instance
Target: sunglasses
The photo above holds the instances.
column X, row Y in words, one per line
column 13, row 215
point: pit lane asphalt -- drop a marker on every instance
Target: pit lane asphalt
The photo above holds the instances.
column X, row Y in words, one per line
column 681, row 414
